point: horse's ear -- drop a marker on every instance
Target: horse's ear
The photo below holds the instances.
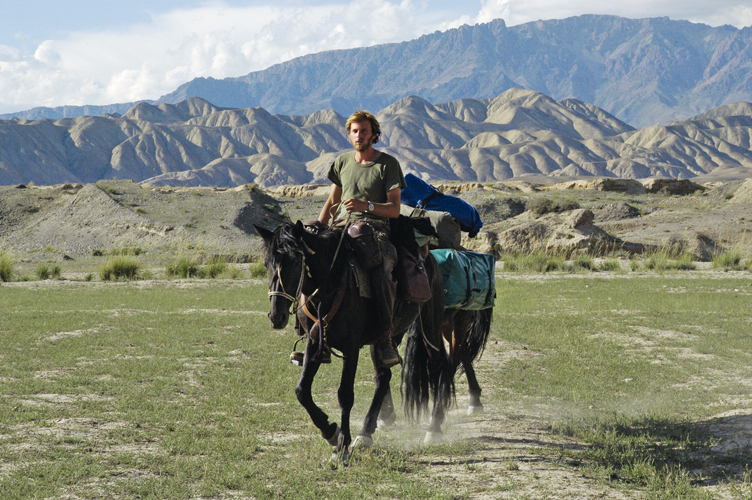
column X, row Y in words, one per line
column 264, row 233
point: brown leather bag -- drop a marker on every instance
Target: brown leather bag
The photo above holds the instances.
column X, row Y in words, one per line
column 412, row 279
column 363, row 241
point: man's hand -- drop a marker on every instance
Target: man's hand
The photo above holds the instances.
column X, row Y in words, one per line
column 355, row 205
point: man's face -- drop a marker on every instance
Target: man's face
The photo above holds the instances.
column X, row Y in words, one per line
column 361, row 135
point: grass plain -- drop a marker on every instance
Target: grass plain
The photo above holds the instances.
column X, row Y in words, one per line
column 596, row 385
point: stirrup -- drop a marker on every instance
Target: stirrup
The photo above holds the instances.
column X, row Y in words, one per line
column 387, row 354
column 296, row 357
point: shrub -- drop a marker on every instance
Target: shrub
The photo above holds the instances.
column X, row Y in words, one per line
column 729, row 260
column 119, row 268
column 235, row 273
column 537, row 262
column 257, row 269
column 583, row 263
column 685, row 262
column 135, row 251
column 43, row 272
column 543, row 205
column 609, row 265
column 183, row 267
column 215, row 267
column 6, row 265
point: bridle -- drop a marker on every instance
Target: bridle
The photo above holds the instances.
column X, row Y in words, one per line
column 294, row 299
column 320, row 320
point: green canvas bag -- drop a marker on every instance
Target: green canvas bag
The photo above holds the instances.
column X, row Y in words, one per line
column 469, row 281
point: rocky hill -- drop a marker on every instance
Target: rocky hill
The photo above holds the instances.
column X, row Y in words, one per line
column 643, row 71
column 520, row 134
column 596, row 217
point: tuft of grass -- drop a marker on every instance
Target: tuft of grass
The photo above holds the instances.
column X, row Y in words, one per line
column 579, row 264
column 234, row 273
column 43, row 272
column 666, row 260
column 134, row 251
column 120, row 267
column 609, row 265
column 730, row 260
column 544, row 205
column 183, row 267
column 257, row 269
column 6, row 265
column 215, row 267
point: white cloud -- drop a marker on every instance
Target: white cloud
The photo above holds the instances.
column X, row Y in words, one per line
column 147, row 60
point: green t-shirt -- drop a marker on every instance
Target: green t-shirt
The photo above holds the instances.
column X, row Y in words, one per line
column 367, row 182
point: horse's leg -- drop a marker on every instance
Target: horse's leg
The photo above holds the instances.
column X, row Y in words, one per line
column 381, row 381
column 441, row 369
column 387, row 415
column 475, row 405
column 329, row 430
column 346, row 396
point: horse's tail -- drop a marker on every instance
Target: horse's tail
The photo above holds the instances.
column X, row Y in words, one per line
column 427, row 372
column 478, row 332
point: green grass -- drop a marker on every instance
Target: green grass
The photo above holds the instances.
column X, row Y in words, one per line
column 47, row 271
column 120, row 268
column 6, row 265
column 729, row 260
column 257, row 269
column 215, row 267
column 167, row 390
column 183, row 267
column 133, row 251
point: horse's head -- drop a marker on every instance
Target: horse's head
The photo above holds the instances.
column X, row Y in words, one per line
column 284, row 259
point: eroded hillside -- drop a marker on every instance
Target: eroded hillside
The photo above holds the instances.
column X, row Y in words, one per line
column 520, row 134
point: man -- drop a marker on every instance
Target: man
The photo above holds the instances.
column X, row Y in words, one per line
column 367, row 185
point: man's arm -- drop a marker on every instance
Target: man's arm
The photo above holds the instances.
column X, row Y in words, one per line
column 389, row 210
column 335, row 196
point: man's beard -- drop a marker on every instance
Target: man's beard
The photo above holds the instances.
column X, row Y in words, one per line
column 363, row 146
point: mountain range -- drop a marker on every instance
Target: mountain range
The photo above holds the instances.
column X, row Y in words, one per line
column 520, row 134
column 643, row 71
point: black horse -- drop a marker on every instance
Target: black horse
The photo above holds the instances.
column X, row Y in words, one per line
column 318, row 268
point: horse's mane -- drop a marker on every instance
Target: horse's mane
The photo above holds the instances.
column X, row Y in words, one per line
column 284, row 243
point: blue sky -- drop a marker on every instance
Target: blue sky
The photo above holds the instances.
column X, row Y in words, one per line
column 74, row 52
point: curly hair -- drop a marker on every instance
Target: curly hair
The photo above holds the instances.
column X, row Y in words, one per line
column 365, row 116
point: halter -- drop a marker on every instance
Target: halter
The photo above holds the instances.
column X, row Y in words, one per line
column 320, row 321
column 293, row 299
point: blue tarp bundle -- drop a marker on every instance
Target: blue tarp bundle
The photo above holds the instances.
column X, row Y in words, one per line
column 420, row 194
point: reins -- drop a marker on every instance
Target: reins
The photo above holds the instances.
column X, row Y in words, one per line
column 300, row 300
column 294, row 299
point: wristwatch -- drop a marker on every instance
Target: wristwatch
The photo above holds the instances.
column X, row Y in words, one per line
column 370, row 206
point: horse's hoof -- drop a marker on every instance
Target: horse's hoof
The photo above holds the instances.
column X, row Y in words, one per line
column 334, row 440
column 383, row 423
column 362, row 442
column 471, row 410
column 341, row 458
column 433, row 437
